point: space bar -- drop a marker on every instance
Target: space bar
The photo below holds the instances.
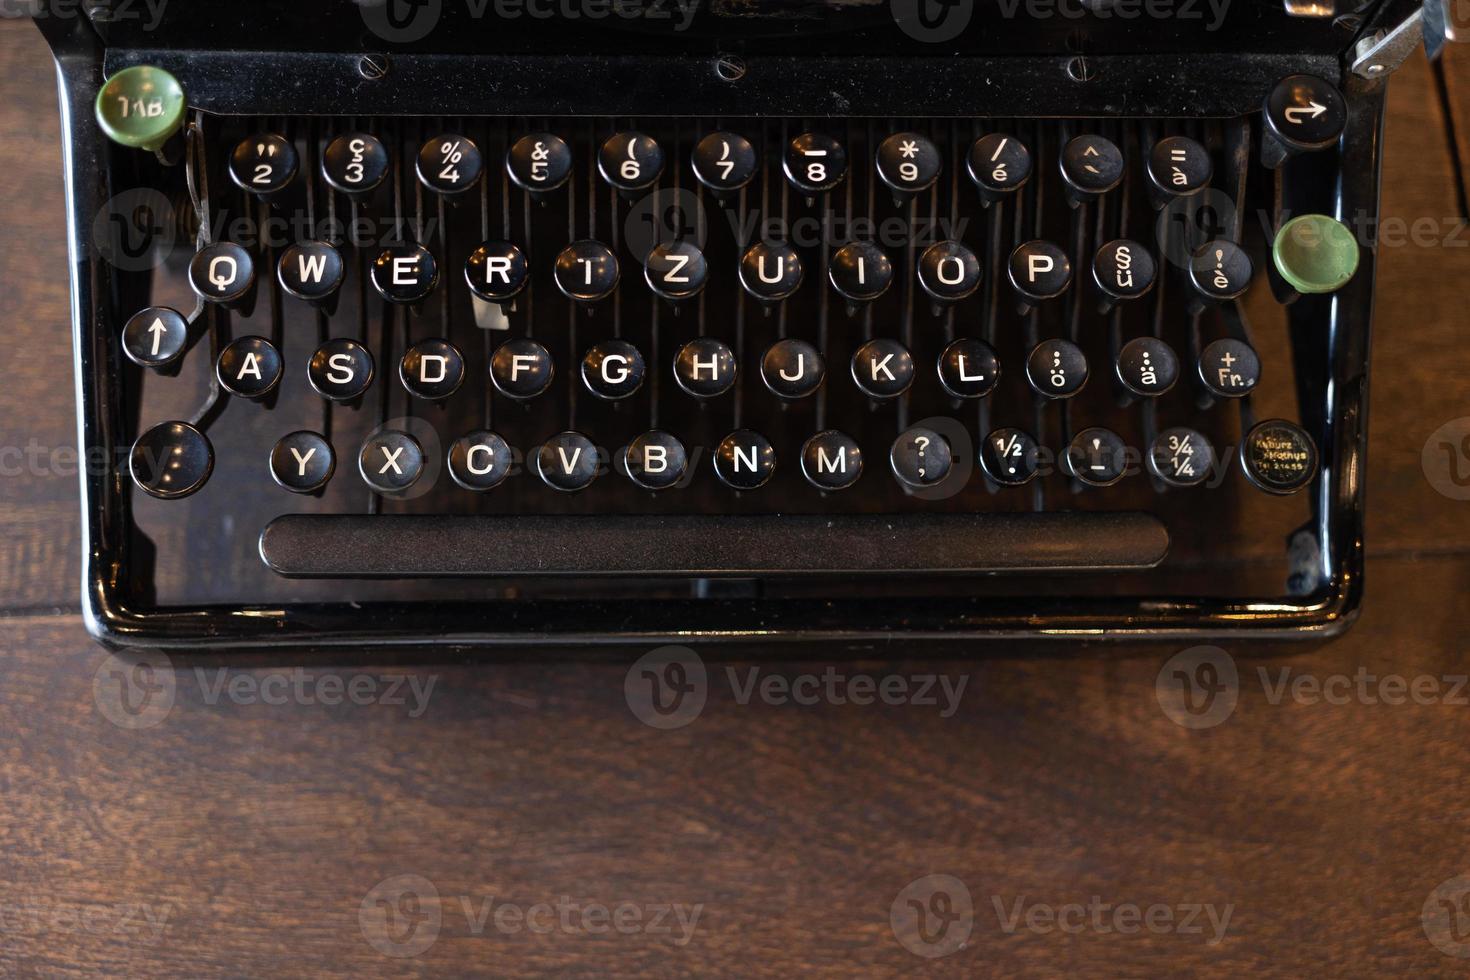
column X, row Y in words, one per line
column 357, row 546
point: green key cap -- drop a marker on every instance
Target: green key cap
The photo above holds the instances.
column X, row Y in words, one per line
column 141, row 107
column 1315, row 253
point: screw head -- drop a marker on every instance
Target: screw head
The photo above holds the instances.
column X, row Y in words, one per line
column 373, row 66
column 730, row 67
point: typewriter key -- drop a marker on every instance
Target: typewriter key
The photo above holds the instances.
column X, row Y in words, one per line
column 655, row 461
column 1057, row 369
column 249, row 368
column 141, row 107
column 1221, row 271
column 1039, row 271
column 883, row 368
column 302, row 462
column 745, row 460
column 1229, row 368
column 355, row 163
column 1178, row 167
column 480, row 461
column 814, row 163
column 949, row 272
column 405, row 273
column 567, row 462
column 521, row 369
column 497, row 271
column 770, row 271
column 1147, row 367
column 793, row 369
column 539, row 162
column 1098, row 457
column 831, row 461
column 969, row 368
column 432, row 369
column 1303, row 113
column 724, row 162
column 391, row 461
column 171, row 460
column 1279, row 457
column 222, row 272
column 1010, row 457
column 998, row 164
column 613, row 370
column 312, row 271
column 449, row 164
column 705, row 367
column 1091, row 165
column 676, row 271
column 340, row 370
column 631, row 162
column 155, row 337
column 264, row 165
column 909, row 163
column 860, row 272
column 1181, row 457
column 921, row 458
column 586, row 271
column 1123, row 270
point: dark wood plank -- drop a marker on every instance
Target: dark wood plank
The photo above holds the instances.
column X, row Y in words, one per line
column 1058, row 777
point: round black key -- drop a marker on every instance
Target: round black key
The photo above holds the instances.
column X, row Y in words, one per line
column 793, row 369
column 949, row 272
column 480, row 461
column 587, row 271
column 860, row 272
column 390, row 461
column 449, row 164
column 497, row 271
column 676, row 271
column 264, row 164
column 222, row 272
column 302, row 462
column 745, row 460
column 155, row 337
column 831, row 460
column 1091, row 166
column 1057, row 369
column 883, row 368
column 340, row 370
column 998, row 164
column 249, row 368
column 171, row 460
column 631, row 161
column 770, row 271
column 567, row 462
column 909, row 163
column 920, row 458
column 405, row 273
column 724, row 162
column 1179, row 166
column 969, row 368
column 432, row 369
column 1039, row 270
column 814, row 163
column 1098, row 457
column 539, row 162
column 1147, row 367
column 1279, row 457
column 1229, row 368
column 1123, row 270
column 655, row 461
column 1221, row 270
column 521, row 369
column 312, row 271
column 705, row 367
column 355, row 163
column 1306, row 112
column 613, row 369
column 1010, row 457
column 1181, row 457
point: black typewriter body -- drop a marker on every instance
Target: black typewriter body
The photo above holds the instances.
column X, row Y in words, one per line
column 759, row 537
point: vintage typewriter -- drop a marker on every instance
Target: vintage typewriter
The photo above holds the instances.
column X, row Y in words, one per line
column 616, row 322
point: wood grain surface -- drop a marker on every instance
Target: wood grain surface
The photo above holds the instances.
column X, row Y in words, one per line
column 520, row 818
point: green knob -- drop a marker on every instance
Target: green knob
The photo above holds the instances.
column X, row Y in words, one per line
column 141, row 107
column 1315, row 253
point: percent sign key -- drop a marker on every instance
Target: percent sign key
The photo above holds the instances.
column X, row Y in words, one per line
column 449, row 164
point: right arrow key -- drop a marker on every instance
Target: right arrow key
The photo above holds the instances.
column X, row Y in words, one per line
column 1303, row 113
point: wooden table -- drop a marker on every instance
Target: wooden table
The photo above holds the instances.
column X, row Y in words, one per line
column 1090, row 832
